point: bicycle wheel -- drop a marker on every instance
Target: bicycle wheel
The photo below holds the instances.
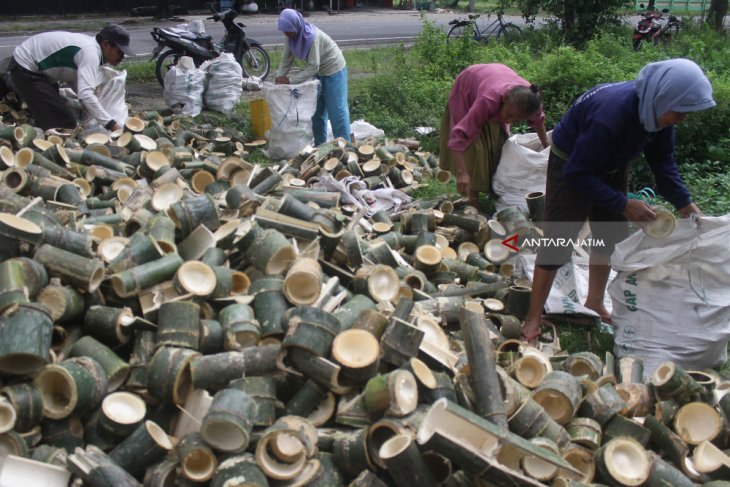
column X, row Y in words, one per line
column 255, row 62
column 510, row 33
column 167, row 60
column 456, row 32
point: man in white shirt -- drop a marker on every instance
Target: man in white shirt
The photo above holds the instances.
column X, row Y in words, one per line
column 44, row 60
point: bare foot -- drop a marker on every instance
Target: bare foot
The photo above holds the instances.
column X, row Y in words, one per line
column 601, row 310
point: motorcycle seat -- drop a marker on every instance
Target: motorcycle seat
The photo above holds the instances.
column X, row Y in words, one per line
column 193, row 37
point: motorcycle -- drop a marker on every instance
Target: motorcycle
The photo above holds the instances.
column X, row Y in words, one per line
column 655, row 28
column 249, row 53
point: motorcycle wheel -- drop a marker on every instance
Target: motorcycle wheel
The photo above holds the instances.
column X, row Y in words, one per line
column 637, row 44
column 167, row 60
column 255, row 63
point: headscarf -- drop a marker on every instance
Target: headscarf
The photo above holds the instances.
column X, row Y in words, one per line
column 292, row 21
column 676, row 85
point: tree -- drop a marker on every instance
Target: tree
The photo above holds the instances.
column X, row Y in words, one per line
column 578, row 19
column 716, row 14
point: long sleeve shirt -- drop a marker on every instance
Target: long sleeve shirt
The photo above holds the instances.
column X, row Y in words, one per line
column 601, row 133
column 68, row 57
column 324, row 59
column 476, row 99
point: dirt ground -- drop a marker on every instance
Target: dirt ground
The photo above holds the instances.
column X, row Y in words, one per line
column 145, row 96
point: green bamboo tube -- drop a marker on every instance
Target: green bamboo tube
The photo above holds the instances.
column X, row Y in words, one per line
column 197, row 461
column 367, row 478
column 240, row 328
column 482, row 364
column 357, row 352
column 25, row 339
column 665, row 411
column 162, row 230
column 351, row 453
column 20, row 229
column 140, row 249
column 584, row 363
column 620, row 426
column 559, row 394
column 227, row 425
column 144, row 348
column 663, row 473
column 518, row 300
column 13, row 444
column 229, row 282
column 262, row 390
column 109, row 325
column 214, row 372
column 115, row 368
column 269, row 305
column 214, row 257
column 73, row 386
column 585, row 432
column 91, row 158
column 67, row 433
column 469, row 224
column 623, row 461
column 602, row 405
column 8, row 416
column 178, row 325
column 531, row 420
column 311, row 329
column 95, row 468
column 400, row 342
column 68, row 240
column 271, row 252
column 131, row 281
column 120, row 415
column 672, row 382
column 94, row 436
column 162, row 473
column 306, row 399
column 26, row 400
column 191, row 212
column 64, row 302
column 405, row 463
column 669, row 442
column 371, row 321
column 49, row 454
column 22, row 272
column 145, row 446
column 444, row 389
column 239, row 470
column 281, row 451
column 396, row 393
column 73, row 269
column 211, row 337
column 168, row 374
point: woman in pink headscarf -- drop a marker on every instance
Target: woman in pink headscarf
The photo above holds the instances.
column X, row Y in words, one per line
column 325, row 61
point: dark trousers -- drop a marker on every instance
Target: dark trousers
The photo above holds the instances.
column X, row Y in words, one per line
column 48, row 108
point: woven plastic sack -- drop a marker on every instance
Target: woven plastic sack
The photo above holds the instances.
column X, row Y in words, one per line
column 184, row 87
column 111, row 91
column 291, row 108
column 223, row 87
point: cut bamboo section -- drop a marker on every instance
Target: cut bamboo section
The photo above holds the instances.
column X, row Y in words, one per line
column 708, row 458
column 538, row 468
column 357, row 352
column 115, row 369
column 197, row 461
column 696, row 422
column 196, row 278
column 405, row 463
column 559, row 394
column 303, row 282
column 74, row 386
column 396, row 393
column 27, row 403
column 166, row 195
column 168, row 374
column 227, row 425
column 239, row 470
column 623, row 461
column 75, row 270
column 121, row 414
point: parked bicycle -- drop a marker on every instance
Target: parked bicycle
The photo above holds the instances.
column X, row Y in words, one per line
column 481, row 31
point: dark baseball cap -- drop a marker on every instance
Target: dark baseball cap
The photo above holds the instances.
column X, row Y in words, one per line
column 119, row 36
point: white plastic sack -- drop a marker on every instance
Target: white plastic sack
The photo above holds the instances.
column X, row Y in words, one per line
column 291, row 108
column 522, row 169
column 671, row 299
column 112, row 93
column 360, row 129
column 223, row 89
column 570, row 287
column 184, row 87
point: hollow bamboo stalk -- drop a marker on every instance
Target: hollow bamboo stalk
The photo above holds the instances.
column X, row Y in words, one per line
column 26, row 400
column 663, row 473
column 350, row 452
column 131, row 281
column 197, row 461
column 269, row 305
column 211, row 337
column 396, row 392
column 68, row 239
column 121, row 413
column 162, row 230
column 672, row 382
column 22, row 272
column 168, row 374
column 666, row 440
column 400, row 342
column 145, row 446
column 262, row 390
column 115, row 368
column 585, row 432
column 239, row 470
column 83, row 381
column 98, row 470
column 64, row 302
column 631, row 370
column 215, row 371
column 611, row 462
column 559, row 393
column 620, row 426
column 109, row 325
column 73, row 269
column 240, row 328
column 482, row 368
column 349, row 311
column 191, row 212
column 178, row 325
column 602, row 404
column 311, row 329
column 227, row 425
column 91, row 158
column 272, row 253
column 306, row 399
column 25, row 339
column 405, row 463
column 531, row 420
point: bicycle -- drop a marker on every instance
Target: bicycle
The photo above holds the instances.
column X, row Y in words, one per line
column 505, row 31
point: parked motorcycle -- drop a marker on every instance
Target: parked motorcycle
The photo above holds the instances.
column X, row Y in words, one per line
column 248, row 52
column 655, row 28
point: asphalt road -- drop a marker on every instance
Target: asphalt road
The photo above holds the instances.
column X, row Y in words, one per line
column 348, row 29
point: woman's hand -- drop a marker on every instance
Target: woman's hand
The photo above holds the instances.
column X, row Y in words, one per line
column 282, row 80
column 688, row 210
column 462, row 181
column 638, row 211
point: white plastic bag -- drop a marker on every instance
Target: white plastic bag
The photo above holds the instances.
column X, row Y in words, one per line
column 671, row 299
column 111, row 91
column 184, row 87
column 291, row 108
column 360, row 129
column 522, row 169
column 223, row 89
